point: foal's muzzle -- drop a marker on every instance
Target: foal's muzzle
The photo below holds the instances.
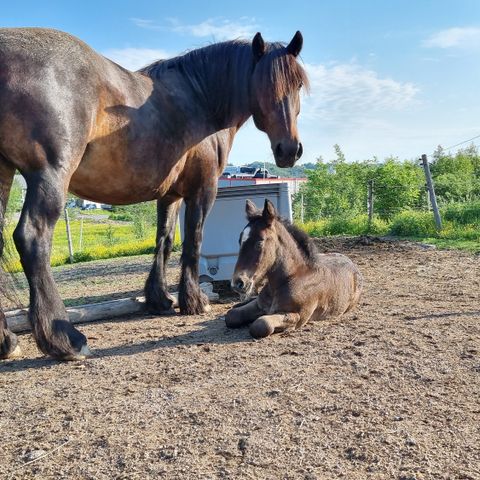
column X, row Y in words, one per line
column 240, row 284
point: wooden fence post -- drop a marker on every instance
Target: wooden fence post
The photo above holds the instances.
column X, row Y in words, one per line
column 370, row 204
column 69, row 235
column 431, row 191
column 302, row 209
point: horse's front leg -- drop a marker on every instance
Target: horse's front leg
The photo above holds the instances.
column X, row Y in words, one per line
column 265, row 325
column 191, row 299
column 243, row 314
column 158, row 300
column 44, row 201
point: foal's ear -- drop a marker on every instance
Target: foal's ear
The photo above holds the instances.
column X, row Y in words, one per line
column 250, row 209
column 296, row 44
column 269, row 212
column 258, row 46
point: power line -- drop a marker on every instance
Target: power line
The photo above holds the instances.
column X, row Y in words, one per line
column 461, row 143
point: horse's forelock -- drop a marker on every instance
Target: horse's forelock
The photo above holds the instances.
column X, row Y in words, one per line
column 280, row 70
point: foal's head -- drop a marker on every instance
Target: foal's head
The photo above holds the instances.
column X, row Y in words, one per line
column 275, row 95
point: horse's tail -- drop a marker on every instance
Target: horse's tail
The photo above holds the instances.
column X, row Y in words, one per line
column 8, row 341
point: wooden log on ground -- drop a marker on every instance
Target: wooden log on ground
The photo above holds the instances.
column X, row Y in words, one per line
column 17, row 320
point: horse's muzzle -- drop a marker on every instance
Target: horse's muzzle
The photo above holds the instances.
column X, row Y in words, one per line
column 287, row 153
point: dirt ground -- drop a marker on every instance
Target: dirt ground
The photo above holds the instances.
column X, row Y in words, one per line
column 391, row 391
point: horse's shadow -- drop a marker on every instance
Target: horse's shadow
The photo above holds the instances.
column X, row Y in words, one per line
column 211, row 332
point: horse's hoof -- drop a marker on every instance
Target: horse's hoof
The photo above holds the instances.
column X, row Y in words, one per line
column 161, row 312
column 15, row 353
column 83, row 354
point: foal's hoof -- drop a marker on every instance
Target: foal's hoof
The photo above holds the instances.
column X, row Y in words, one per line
column 261, row 328
column 233, row 319
column 83, row 354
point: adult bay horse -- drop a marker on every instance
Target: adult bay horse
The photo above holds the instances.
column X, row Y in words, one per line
column 71, row 119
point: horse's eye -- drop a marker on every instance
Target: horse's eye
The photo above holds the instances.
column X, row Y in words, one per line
column 259, row 245
column 300, row 85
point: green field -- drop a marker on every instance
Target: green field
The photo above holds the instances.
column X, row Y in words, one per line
column 93, row 239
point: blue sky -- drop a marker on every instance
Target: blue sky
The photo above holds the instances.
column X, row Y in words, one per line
column 388, row 77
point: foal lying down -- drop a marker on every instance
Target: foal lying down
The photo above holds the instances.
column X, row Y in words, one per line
column 297, row 283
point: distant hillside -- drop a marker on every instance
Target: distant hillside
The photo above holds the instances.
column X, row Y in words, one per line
column 298, row 171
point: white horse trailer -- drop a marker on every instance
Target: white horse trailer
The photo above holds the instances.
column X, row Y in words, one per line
column 227, row 219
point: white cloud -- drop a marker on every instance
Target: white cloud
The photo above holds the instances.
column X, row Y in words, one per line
column 217, row 28
column 145, row 23
column 457, row 37
column 346, row 94
column 135, row 58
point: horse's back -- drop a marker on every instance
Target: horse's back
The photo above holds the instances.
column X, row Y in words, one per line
column 340, row 284
column 52, row 88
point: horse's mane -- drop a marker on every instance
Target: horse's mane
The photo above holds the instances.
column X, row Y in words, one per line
column 211, row 71
column 303, row 240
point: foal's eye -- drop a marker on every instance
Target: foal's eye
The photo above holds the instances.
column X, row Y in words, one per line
column 259, row 245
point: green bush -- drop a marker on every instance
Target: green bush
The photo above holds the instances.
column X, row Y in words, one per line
column 462, row 213
column 413, row 224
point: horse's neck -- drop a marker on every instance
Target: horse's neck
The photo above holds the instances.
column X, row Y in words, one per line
column 220, row 87
column 289, row 259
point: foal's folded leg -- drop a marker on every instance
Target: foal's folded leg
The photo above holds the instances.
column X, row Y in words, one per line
column 243, row 314
column 265, row 325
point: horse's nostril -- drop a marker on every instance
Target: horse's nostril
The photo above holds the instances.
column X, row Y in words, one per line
column 300, row 150
column 278, row 150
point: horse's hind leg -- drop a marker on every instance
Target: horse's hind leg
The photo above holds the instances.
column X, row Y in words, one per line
column 157, row 298
column 8, row 341
column 43, row 205
column 191, row 299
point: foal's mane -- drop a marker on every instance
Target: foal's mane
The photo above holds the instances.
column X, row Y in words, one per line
column 213, row 70
column 303, row 241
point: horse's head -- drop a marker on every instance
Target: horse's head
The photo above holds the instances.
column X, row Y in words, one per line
column 275, row 95
column 258, row 245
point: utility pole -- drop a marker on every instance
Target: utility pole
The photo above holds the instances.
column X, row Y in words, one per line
column 431, row 191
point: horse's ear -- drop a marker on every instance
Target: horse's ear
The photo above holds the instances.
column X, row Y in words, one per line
column 269, row 212
column 250, row 209
column 258, row 46
column 296, row 44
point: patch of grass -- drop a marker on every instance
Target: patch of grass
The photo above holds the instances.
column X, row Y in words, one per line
column 448, row 243
column 345, row 226
column 462, row 213
column 99, row 241
column 410, row 225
